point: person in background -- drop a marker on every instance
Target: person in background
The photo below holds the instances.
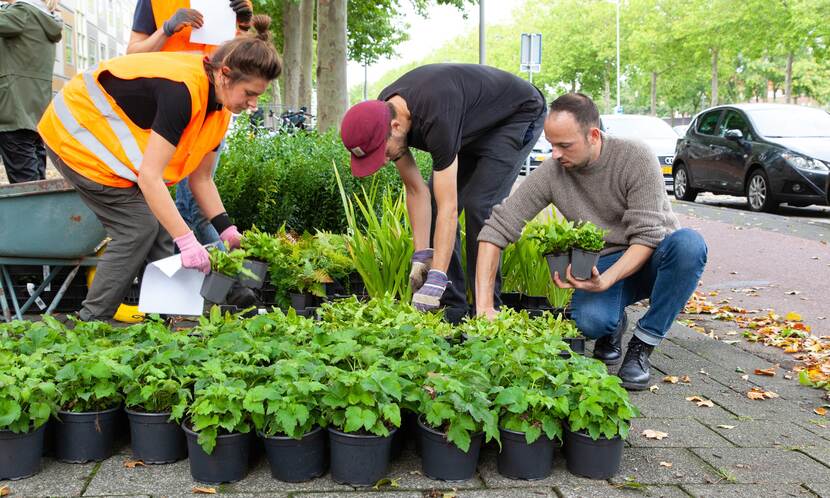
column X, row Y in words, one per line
column 124, row 131
column 29, row 30
column 617, row 184
column 165, row 26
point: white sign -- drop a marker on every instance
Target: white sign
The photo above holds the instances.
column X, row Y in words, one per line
column 168, row 288
column 531, row 53
column 219, row 22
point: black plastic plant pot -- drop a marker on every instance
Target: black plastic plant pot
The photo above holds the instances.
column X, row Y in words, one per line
column 398, row 442
column 586, row 457
column 409, row 421
column 444, row 461
column 511, row 300
column 534, row 302
column 583, row 263
column 155, row 439
column 577, row 345
column 227, row 463
column 258, row 268
column 301, row 301
column 558, row 262
column 85, row 437
column 297, row 460
column 358, row 459
column 519, row 460
column 20, row 453
column 216, row 286
column 565, row 312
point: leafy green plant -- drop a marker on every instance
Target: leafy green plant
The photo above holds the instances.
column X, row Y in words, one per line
column 260, row 245
column 553, row 235
column 229, row 263
column 288, row 403
column 600, row 406
column 590, row 237
column 91, row 380
column 27, row 395
column 525, row 271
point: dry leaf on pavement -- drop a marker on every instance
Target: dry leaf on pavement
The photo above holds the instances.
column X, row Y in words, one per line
column 686, row 379
column 131, row 464
column 701, row 401
column 650, row 434
column 671, row 379
column 654, row 388
column 668, row 465
column 821, row 411
column 724, row 426
column 4, row 490
column 769, row 372
column 204, row 491
column 757, row 393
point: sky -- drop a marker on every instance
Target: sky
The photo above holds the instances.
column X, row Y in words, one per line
column 425, row 35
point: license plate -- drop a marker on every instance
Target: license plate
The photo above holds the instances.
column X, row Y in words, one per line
column 667, row 170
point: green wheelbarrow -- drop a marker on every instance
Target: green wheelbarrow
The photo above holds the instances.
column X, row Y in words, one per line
column 44, row 223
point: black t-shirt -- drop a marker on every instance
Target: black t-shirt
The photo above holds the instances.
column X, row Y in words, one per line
column 156, row 104
column 454, row 104
column 143, row 19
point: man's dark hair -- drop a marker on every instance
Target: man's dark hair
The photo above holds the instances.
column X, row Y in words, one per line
column 581, row 107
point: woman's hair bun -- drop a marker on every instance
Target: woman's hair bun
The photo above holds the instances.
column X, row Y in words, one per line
column 262, row 24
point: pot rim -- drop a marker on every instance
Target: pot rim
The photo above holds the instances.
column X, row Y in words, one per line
column 314, row 430
column 421, row 423
column 216, row 274
column 360, row 436
column 146, row 414
column 188, row 430
column 8, row 434
column 583, row 434
column 109, row 410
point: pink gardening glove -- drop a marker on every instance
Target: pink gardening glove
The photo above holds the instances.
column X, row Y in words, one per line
column 193, row 254
column 232, row 236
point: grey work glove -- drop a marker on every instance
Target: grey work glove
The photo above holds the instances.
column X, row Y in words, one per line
column 244, row 10
column 421, row 263
column 182, row 18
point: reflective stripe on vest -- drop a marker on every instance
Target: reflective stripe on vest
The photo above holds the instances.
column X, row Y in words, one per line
column 90, row 141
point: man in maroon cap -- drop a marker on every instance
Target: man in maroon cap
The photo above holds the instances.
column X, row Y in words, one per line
column 479, row 124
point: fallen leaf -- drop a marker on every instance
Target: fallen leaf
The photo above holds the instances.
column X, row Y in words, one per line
column 686, row 379
column 650, row 434
column 769, row 372
column 731, row 342
column 204, row 491
column 668, row 465
column 653, row 388
column 792, row 316
column 5, row 490
column 449, row 495
column 757, row 393
column 392, row 483
column 788, row 377
column 701, row 401
column 724, row 426
column 671, row 379
column 131, row 464
column 739, row 369
column 820, row 411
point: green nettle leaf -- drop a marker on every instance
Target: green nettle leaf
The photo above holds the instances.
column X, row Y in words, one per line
column 9, row 411
column 354, row 419
column 459, row 436
column 532, row 434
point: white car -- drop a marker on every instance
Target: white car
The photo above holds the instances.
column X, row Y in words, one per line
column 655, row 132
column 541, row 151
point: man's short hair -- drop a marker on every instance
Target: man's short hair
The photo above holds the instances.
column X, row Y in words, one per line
column 580, row 106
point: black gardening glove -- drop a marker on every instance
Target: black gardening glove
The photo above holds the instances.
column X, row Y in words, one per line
column 182, row 18
column 244, row 11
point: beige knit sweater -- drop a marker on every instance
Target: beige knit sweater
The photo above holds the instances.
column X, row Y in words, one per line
column 622, row 192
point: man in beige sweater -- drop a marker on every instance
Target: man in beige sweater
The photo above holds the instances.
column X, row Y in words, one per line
column 617, row 184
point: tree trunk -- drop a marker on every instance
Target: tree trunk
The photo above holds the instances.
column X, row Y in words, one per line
column 788, row 81
column 276, row 102
column 291, row 53
column 332, row 94
column 606, row 89
column 573, row 86
column 714, row 77
column 306, row 52
column 654, row 93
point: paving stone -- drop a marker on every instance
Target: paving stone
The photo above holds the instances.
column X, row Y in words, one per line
column 816, row 425
column 745, row 490
column 682, row 433
column 766, row 465
column 359, row 494
column 537, row 492
column 559, row 476
column 821, row 489
column 764, row 433
column 820, row 453
column 642, row 465
column 602, row 491
column 665, row 404
column 768, row 409
column 113, row 478
column 54, row 479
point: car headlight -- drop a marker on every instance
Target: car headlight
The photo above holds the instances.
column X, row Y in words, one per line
column 805, row 163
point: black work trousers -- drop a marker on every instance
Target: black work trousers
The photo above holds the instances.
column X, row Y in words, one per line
column 487, row 169
column 24, row 155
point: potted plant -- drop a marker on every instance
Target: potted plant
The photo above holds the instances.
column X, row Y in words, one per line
column 89, row 383
column 287, row 415
column 554, row 239
column 157, row 396
column 455, row 414
column 361, row 408
column 589, row 241
column 261, row 248
column 217, row 426
column 598, row 421
column 225, row 268
column 27, row 400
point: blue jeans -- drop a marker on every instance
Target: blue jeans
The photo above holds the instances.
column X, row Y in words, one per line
column 668, row 279
column 189, row 209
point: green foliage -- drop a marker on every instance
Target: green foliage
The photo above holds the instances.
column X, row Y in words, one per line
column 601, row 405
column 91, row 380
column 229, row 263
column 27, row 392
column 589, row 237
column 554, row 235
column 218, row 402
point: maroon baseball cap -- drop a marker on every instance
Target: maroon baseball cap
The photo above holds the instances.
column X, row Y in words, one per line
column 364, row 131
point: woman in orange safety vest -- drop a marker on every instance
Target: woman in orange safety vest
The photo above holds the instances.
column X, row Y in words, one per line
column 124, row 131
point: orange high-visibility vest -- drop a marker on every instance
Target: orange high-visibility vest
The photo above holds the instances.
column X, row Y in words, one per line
column 86, row 128
column 179, row 42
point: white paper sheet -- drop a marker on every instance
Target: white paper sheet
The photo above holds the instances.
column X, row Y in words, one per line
column 219, row 22
column 170, row 289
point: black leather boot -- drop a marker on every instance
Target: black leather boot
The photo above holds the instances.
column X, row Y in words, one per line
column 635, row 370
column 608, row 349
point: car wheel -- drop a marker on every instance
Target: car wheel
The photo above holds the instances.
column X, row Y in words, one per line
column 759, row 194
column 683, row 190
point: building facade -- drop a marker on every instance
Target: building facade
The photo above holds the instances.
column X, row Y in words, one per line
column 94, row 30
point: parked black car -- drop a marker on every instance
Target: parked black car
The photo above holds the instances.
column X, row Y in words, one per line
column 771, row 153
